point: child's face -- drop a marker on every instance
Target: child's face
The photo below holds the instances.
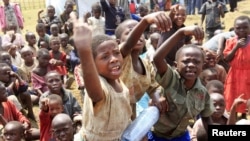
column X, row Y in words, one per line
column 55, row 45
column 11, row 133
column 180, row 17
column 44, row 44
column 97, row 14
column 109, row 60
column 63, row 131
column 242, row 28
column 112, row 2
column 32, row 39
column 127, row 29
column 69, row 8
column 210, row 59
column 3, row 93
column 64, row 41
column 54, row 30
column 27, row 56
column 41, row 32
column 54, row 108
column 5, row 74
column 219, row 105
column 189, row 64
column 5, row 57
column 43, row 60
column 51, row 12
column 54, row 82
column 210, row 76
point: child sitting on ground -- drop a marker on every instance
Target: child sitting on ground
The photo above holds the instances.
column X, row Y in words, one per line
column 14, row 131
column 42, row 35
column 39, row 72
column 62, row 123
column 30, row 38
column 49, row 108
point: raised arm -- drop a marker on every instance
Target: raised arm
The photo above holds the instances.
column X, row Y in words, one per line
column 165, row 48
column 82, row 39
column 162, row 21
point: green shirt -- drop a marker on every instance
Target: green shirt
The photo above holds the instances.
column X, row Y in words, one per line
column 184, row 105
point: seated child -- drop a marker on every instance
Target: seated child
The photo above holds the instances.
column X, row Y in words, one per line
column 54, row 83
column 30, row 38
column 49, row 107
column 42, row 35
column 62, row 127
column 54, row 29
column 215, row 86
column 49, row 18
column 58, row 59
column 9, row 113
column 27, row 66
column 218, row 117
column 207, row 75
column 12, row 49
column 39, row 72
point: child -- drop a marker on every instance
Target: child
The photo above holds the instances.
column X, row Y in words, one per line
column 54, row 83
column 39, row 72
column 58, row 59
column 178, row 17
column 213, row 11
column 30, row 38
column 11, row 13
column 154, row 38
column 68, row 8
column 9, row 113
column 97, row 21
column 105, row 92
column 237, row 53
column 12, row 49
column 208, row 75
column 62, row 127
column 66, row 48
column 138, row 74
column 50, row 107
column 215, row 86
column 114, row 15
column 42, row 36
column 14, row 131
column 183, row 89
column 48, row 19
column 54, row 30
column 218, row 117
column 12, row 36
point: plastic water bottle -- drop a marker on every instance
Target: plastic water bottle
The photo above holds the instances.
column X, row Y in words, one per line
column 141, row 125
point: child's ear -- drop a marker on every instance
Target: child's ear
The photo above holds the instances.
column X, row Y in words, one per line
column 118, row 41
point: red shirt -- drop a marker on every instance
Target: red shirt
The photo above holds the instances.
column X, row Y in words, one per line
column 132, row 8
column 45, row 126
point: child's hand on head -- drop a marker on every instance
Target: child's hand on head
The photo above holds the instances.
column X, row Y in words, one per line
column 162, row 20
column 196, row 31
column 82, row 33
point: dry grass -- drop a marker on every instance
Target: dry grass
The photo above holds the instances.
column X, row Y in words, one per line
column 30, row 17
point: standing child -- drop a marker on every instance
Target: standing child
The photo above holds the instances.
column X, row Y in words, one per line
column 68, row 8
column 237, row 52
column 213, row 11
column 58, row 58
column 39, row 72
column 105, row 92
column 30, row 38
column 11, row 13
column 183, row 90
column 97, row 21
column 114, row 15
column 138, row 73
column 50, row 107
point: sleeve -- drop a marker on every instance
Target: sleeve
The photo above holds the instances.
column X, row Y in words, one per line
column 228, row 47
column 89, row 21
column 18, row 115
column 203, row 9
column 167, row 79
column 104, row 5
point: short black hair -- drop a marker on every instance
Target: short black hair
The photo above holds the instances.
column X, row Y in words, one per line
column 96, row 7
column 215, row 83
column 243, row 17
column 40, row 26
column 28, row 35
column 42, row 51
column 97, row 40
column 55, row 97
column 120, row 28
column 189, row 46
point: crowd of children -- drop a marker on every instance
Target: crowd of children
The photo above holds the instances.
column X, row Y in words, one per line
column 120, row 63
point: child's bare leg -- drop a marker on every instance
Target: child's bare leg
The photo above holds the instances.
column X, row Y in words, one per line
column 26, row 100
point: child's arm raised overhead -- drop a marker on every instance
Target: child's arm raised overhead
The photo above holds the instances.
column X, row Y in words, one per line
column 162, row 21
column 165, row 48
column 82, row 39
